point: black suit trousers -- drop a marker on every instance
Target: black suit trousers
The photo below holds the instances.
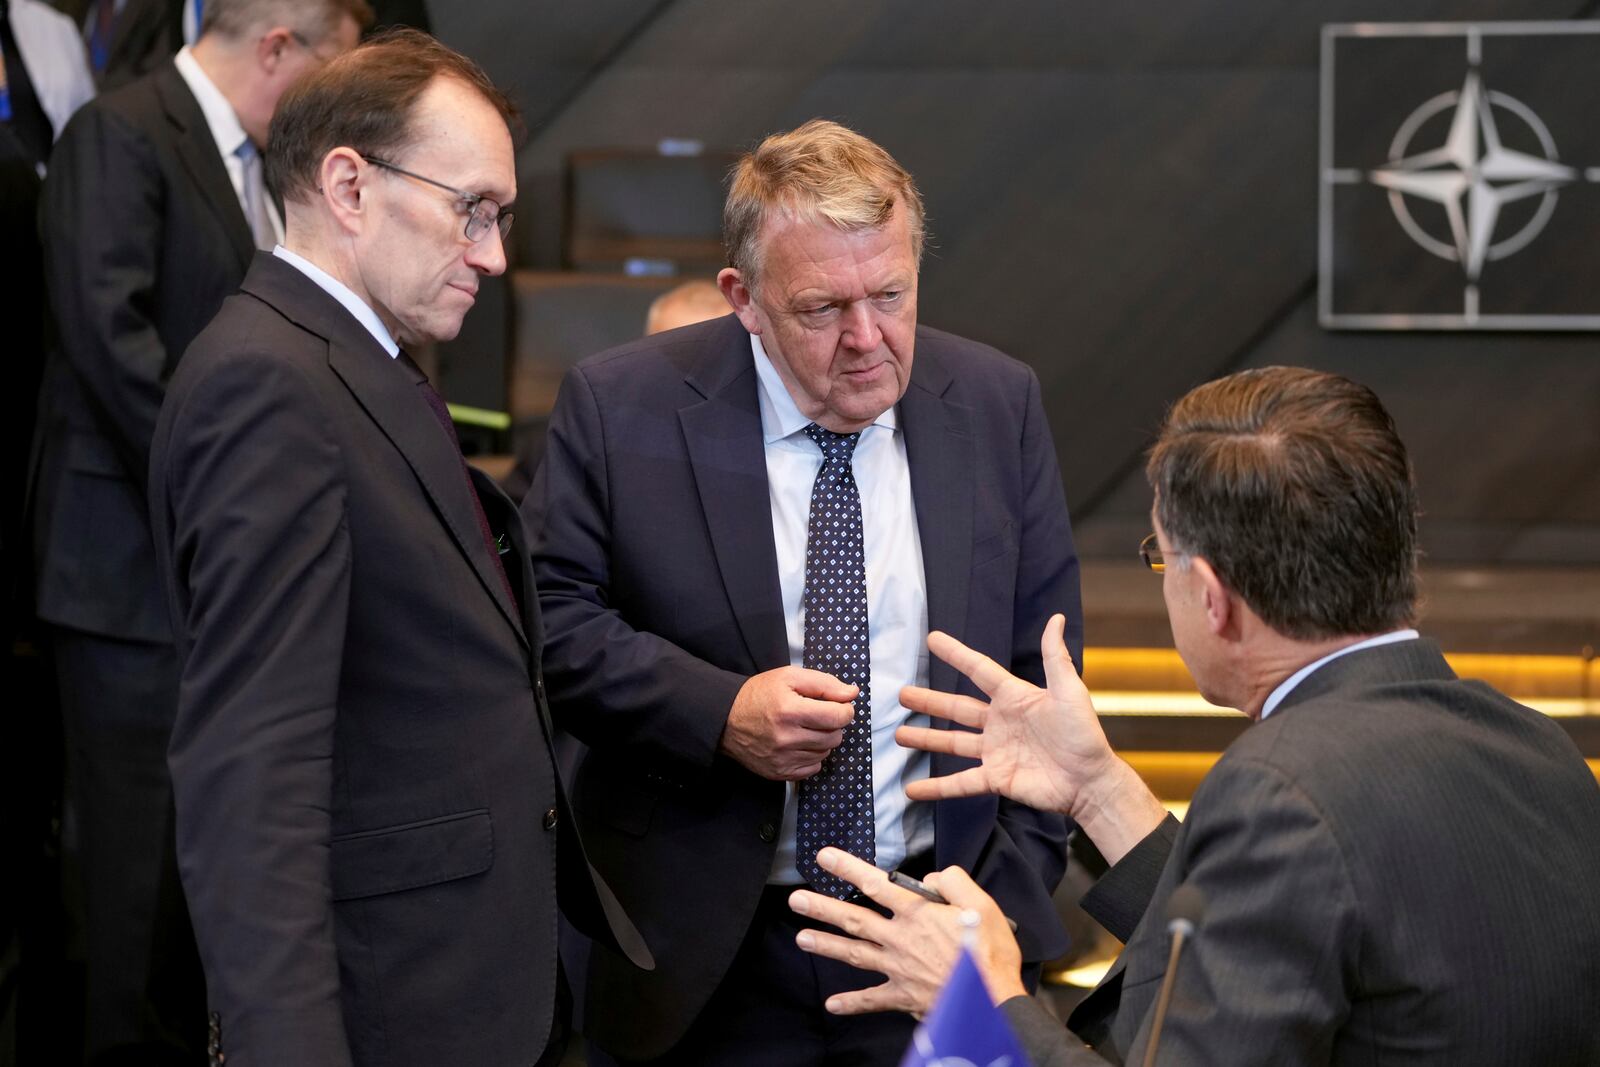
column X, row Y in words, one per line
column 143, row 983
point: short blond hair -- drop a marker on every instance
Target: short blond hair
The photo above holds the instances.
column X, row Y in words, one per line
column 820, row 171
column 240, row 20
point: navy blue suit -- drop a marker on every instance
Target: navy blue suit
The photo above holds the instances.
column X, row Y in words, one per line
column 658, row 580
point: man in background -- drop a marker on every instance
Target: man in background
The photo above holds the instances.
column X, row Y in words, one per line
column 684, row 305
column 744, row 531
column 154, row 204
column 1395, row 865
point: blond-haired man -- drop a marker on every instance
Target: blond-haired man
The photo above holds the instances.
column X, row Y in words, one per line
column 743, row 532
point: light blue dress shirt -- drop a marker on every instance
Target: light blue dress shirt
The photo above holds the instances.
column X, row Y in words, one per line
column 1287, row 685
column 341, row 292
column 897, row 602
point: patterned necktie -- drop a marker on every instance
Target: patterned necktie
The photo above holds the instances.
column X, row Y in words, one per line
column 255, row 197
column 836, row 802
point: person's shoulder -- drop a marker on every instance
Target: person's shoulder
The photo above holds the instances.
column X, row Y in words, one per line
column 649, row 362
column 248, row 334
column 134, row 111
column 972, row 362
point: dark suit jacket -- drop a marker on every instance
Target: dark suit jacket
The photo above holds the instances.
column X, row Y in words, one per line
column 658, row 576
column 144, row 238
column 362, row 765
column 146, row 34
column 1399, row 867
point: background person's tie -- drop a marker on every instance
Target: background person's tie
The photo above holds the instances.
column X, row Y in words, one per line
column 836, row 803
column 255, row 196
column 441, row 412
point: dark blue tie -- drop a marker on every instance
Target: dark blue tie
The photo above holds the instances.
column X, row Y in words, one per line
column 836, row 802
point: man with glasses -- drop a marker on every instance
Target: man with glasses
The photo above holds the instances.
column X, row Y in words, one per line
column 153, row 206
column 1393, row 865
column 368, row 811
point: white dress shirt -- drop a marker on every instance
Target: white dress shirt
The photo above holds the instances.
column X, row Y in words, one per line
column 341, row 292
column 1287, row 685
column 225, row 131
column 897, row 602
column 57, row 64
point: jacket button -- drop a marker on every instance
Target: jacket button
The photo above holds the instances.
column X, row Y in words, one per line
column 538, row 686
column 768, row 832
column 550, row 819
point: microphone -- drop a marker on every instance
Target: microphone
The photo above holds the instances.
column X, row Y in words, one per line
column 1184, row 909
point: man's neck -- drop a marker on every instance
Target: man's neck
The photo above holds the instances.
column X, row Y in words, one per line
column 1277, row 658
column 307, row 242
column 222, row 63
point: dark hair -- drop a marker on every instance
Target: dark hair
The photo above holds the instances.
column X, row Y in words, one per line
column 364, row 100
column 1295, row 487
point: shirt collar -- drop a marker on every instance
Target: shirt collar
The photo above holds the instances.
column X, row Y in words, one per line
column 1287, row 685
column 220, row 116
column 780, row 417
column 341, row 292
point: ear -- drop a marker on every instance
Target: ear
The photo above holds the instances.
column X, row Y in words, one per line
column 740, row 298
column 1221, row 611
column 342, row 181
column 270, row 47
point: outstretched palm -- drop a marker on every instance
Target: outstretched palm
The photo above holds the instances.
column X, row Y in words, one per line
column 1036, row 746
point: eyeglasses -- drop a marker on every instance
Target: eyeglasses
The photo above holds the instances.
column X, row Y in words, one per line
column 305, row 42
column 482, row 213
column 1150, row 552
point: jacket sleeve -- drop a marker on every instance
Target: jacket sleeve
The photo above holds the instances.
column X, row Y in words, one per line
column 255, row 499
column 655, row 696
column 101, row 217
column 1264, row 980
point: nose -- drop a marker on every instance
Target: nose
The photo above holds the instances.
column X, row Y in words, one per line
column 860, row 330
column 488, row 254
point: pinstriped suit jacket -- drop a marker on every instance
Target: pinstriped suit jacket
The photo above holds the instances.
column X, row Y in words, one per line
column 1400, row 867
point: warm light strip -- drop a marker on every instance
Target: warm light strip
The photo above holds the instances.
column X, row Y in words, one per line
column 1154, row 681
column 1123, row 702
column 1193, row 704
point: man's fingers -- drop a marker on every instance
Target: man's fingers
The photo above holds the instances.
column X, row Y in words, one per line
column 959, row 889
column 853, row 919
column 797, row 773
column 822, row 715
column 885, row 997
column 852, row 950
column 820, row 685
column 871, row 881
column 955, row 742
column 965, row 710
column 985, row 673
column 1060, row 673
column 968, row 783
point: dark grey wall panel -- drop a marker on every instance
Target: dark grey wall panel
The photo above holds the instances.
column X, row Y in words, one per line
column 1122, row 195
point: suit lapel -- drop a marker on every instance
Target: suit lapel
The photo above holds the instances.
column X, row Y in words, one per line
column 939, row 451
column 391, row 394
column 197, row 149
column 388, row 390
column 723, row 436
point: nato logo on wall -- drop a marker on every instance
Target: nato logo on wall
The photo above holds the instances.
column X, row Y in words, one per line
column 1460, row 176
